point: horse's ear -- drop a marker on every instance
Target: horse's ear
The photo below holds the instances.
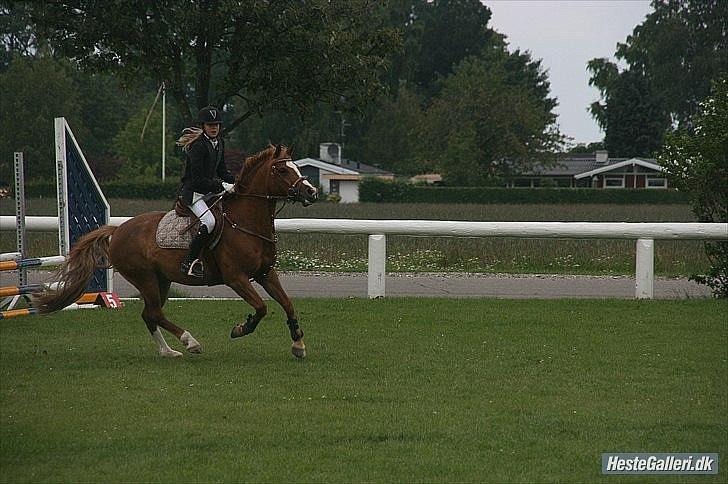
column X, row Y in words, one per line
column 289, row 151
column 277, row 152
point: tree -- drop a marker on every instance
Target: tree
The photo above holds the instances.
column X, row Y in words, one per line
column 696, row 162
column 17, row 37
column 671, row 58
column 42, row 89
column 393, row 138
column 142, row 157
column 490, row 106
column 635, row 122
column 244, row 55
column 436, row 35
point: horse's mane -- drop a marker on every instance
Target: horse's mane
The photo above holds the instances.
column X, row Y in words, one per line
column 253, row 162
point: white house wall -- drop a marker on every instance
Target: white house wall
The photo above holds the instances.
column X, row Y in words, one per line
column 349, row 191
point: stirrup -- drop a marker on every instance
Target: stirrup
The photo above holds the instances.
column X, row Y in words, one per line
column 194, row 268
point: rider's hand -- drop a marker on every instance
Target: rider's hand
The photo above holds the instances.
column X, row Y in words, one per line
column 228, row 187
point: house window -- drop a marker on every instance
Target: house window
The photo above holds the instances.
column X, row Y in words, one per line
column 334, row 186
column 656, row 183
column 613, row 182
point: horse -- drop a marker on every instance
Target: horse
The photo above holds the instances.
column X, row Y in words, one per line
column 246, row 251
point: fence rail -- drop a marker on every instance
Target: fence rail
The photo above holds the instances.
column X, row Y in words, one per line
column 643, row 233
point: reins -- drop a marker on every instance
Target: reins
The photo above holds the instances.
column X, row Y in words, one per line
column 286, row 198
column 250, row 232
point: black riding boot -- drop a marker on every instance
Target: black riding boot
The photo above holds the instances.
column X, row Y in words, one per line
column 192, row 266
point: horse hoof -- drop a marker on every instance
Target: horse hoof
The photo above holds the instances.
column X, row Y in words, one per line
column 195, row 348
column 298, row 351
column 191, row 344
column 238, row 331
column 170, row 353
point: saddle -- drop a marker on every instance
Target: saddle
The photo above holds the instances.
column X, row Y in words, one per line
column 179, row 226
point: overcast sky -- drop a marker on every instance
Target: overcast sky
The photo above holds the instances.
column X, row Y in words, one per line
column 566, row 35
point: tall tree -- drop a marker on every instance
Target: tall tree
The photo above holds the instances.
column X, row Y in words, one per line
column 437, row 35
column 34, row 91
column 671, row 58
column 393, row 138
column 487, row 106
column 635, row 120
column 243, row 53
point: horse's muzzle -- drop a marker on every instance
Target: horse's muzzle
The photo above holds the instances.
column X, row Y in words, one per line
column 309, row 195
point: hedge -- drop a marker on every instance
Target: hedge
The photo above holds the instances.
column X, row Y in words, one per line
column 116, row 189
column 376, row 190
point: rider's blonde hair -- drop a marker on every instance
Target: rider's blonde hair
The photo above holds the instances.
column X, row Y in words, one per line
column 189, row 135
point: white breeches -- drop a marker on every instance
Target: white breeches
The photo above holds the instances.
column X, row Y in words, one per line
column 199, row 208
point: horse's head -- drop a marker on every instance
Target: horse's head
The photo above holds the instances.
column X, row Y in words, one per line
column 283, row 178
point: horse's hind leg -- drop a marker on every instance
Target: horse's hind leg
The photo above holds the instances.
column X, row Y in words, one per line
column 191, row 344
column 272, row 286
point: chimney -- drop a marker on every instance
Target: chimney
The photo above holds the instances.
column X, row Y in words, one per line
column 602, row 157
column 330, row 153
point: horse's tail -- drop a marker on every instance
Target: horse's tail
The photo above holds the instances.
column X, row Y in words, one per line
column 90, row 252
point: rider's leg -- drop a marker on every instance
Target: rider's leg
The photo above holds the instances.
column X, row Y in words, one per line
column 192, row 265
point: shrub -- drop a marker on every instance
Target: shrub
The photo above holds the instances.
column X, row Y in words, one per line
column 696, row 162
column 377, row 190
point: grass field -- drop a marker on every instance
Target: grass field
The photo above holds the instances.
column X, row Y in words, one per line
column 328, row 252
column 392, row 390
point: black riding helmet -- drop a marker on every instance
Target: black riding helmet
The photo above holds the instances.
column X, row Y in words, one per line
column 209, row 115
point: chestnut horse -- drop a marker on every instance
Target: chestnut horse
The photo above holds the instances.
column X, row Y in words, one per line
column 246, row 251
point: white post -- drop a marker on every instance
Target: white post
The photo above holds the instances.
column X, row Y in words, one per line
column 645, row 269
column 377, row 266
column 164, row 124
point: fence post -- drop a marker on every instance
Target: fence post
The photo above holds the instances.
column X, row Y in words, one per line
column 645, row 269
column 377, row 266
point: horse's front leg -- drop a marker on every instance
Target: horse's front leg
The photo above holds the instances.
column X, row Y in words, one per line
column 272, row 286
column 244, row 289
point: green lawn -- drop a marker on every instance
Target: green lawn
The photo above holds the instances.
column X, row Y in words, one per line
column 392, row 390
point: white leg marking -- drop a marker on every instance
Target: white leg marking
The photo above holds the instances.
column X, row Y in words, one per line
column 192, row 345
column 164, row 348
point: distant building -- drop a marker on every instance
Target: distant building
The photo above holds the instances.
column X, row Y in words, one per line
column 337, row 175
column 427, row 178
column 595, row 171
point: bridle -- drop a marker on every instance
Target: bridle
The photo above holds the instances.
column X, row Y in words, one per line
column 291, row 196
column 292, row 192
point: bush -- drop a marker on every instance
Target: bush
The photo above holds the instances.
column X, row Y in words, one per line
column 377, row 190
column 149, row 190
column 696, row 161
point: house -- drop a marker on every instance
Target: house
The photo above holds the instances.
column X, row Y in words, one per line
column 427, row 179
column 337, row 175
column 595, row 171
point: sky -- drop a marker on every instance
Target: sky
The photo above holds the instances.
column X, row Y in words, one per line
column 566, row 35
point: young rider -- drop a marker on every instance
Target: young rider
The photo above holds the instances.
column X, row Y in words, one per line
column 205, row 175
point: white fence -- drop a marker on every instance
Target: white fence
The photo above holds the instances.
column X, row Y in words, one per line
column 644, row 233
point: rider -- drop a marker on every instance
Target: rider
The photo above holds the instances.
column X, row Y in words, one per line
column 205, row 175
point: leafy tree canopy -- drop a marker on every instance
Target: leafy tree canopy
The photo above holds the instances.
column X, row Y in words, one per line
column 492, row 104
column 671, row 58
column 245, row 54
